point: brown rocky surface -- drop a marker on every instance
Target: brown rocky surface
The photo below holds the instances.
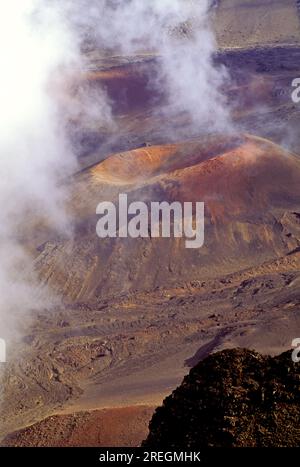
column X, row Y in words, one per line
column 244, row 23
column 136, row 348
column 136, row 314
column 113, row 427
column 128, row 329
column 235, row 398
column 249, row 186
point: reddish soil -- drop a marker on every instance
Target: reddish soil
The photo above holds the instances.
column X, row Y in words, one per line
column 124, row 427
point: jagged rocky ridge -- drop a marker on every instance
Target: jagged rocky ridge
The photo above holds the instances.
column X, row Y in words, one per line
column 234, row 398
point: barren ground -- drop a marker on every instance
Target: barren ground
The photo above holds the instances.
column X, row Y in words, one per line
column 130, row 349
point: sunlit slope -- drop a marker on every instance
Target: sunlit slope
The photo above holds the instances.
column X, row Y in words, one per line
column 242, row 23
column 251, row 190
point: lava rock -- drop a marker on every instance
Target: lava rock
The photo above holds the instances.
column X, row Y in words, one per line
column 234, row 398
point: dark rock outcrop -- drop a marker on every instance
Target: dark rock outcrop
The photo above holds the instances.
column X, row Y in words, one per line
column 234, row 398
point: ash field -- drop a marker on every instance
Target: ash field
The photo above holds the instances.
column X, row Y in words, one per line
column 135, row 315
